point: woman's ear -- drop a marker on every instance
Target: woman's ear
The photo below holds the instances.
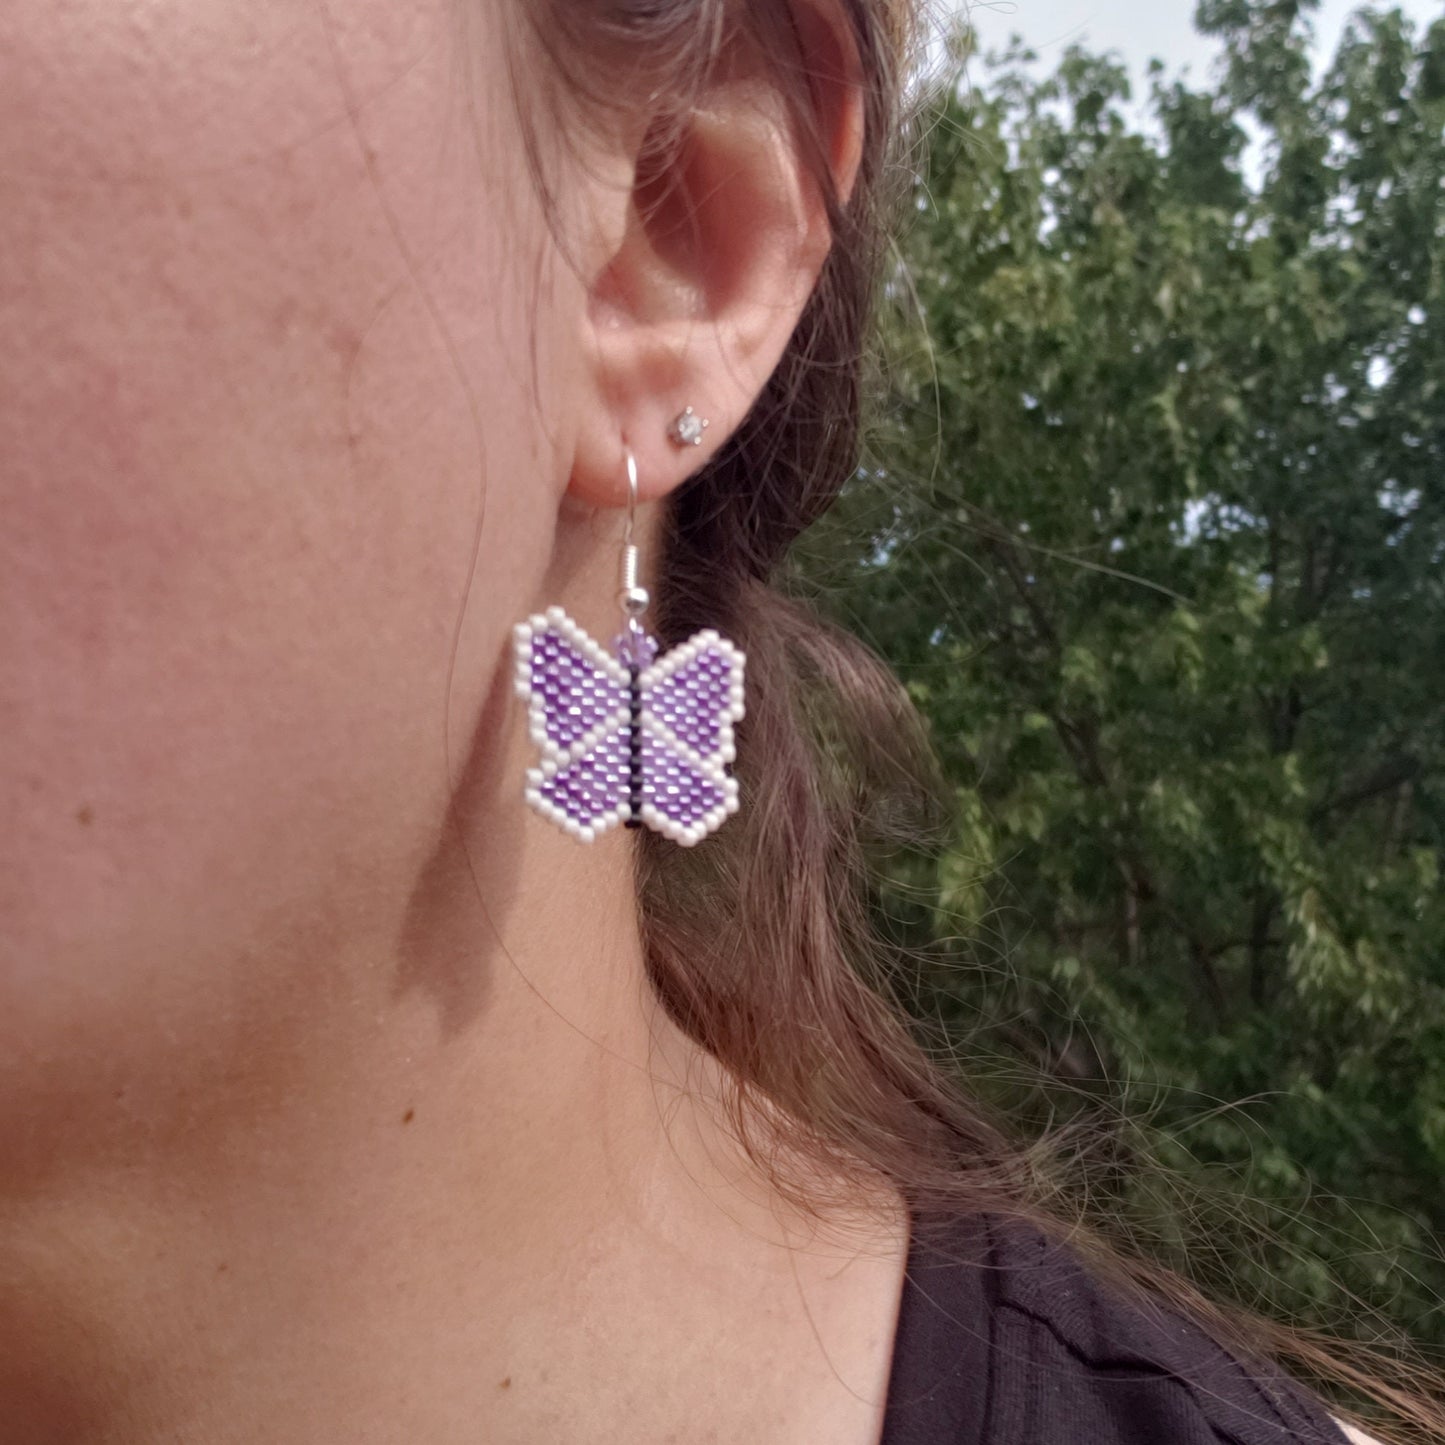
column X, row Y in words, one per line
column 707, row 254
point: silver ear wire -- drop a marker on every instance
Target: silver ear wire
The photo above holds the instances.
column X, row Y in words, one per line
column 687, row 428
column 633, row 597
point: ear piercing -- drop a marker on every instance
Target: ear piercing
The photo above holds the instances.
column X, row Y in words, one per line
column 687, row 428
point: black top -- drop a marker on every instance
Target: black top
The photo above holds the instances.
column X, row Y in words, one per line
column 1004, row 1339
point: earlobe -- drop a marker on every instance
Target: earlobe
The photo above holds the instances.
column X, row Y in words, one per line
column 716, row 244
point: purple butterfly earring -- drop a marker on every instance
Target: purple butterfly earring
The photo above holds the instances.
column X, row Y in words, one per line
column 629, row 737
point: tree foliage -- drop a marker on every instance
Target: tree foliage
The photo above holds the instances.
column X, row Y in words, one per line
column 1153, row 520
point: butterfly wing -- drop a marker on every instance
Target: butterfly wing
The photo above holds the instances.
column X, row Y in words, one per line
column 588, row 794
column 691, row 698
column 578, row 715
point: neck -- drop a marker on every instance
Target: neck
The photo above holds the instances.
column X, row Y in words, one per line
column 482, row 1189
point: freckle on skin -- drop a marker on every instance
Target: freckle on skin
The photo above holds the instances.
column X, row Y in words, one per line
column 506, row 1384
column 222, row 1267
column 85, row 815
column 408, row 1116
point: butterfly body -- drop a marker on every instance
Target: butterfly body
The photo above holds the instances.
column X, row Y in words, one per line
column 627, row 736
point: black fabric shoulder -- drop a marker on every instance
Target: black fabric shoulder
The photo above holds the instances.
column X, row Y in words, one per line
column 1004, row 1338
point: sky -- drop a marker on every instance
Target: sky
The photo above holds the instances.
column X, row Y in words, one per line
column 1141, row 29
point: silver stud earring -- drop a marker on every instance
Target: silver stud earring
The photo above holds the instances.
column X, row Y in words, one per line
column 687, row 428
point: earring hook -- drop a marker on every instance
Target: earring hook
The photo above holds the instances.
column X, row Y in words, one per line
column 631, row 494
column 633, row 597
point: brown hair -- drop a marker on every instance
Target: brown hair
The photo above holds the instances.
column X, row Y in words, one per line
column 760, row 943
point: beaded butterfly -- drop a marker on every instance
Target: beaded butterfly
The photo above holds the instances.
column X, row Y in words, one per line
column 629, row 738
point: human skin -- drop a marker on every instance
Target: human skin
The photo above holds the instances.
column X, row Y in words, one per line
column 333, row 1101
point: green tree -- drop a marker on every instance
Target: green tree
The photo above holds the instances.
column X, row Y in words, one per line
column 1154, row 520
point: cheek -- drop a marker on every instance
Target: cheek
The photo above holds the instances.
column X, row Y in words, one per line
column 244, row 474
